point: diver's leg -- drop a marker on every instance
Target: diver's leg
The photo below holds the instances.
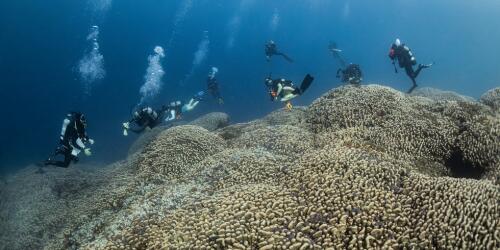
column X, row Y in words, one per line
column 411, row 74
column 61, row 164
column 190, row 106
column 420, row 67
column 289, row 96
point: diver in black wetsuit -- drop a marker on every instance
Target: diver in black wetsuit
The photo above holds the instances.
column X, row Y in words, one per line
column 406, row 60
column 284, row 90
column 351, row 74
column 271, row 50
column 347, row 73
column 72, row 141
column 145, row 118
column 213, row 85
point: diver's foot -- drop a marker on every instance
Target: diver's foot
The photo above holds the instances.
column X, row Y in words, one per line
column 411, row 89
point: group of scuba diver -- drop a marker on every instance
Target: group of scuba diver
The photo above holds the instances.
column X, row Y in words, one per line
column 74, row 139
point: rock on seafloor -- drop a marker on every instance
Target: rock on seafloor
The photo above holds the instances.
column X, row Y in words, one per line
column 361, row 167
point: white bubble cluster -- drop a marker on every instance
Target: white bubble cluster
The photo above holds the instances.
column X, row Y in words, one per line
column 275, row 20
column 91, row 66
column 201, row 53
column 100, row 6
column 152, row 79
column 180, row 16
column 199, row 56
column 234, row 23
column 346, row 10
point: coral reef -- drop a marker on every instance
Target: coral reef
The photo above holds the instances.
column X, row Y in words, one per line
column 441, row 95
column 360, row 168
column 212, row 121
column 175, row 150
column 145, row 138
column 492, row 98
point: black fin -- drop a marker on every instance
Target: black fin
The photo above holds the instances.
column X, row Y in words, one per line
column 308, row 79
column 290, row 60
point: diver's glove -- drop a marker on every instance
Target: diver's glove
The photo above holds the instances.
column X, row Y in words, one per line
column 91, row 141
column 87, row 152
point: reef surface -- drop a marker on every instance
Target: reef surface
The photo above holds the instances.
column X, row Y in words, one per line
column 361, row 167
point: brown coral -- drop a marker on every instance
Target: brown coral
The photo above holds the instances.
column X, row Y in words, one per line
column 285, row 140
column 339, row 198
column 366, row 169
column 212, row 121
column 492, row 98
column 178, row 148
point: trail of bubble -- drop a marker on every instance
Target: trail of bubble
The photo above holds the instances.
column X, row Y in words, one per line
column 100, row 6
column 275, row 20
column 234, row 23
column 153, row 77
column 91, row 66
column 199, row 57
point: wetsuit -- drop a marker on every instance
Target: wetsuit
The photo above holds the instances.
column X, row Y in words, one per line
column 271, row 50
column 351, row 74
column 213, row 88
column 284, row 90
column 147, row 117
column 406, row 60
column 276, row 87
column 72, row 141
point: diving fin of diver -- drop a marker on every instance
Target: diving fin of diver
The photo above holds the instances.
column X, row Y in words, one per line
column 290, row 60
column 308, row 79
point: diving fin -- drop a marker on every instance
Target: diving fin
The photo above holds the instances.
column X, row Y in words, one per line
column 308, row 79
column 290, row 60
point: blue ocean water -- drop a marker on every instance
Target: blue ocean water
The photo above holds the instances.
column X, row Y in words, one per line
column 42, row 42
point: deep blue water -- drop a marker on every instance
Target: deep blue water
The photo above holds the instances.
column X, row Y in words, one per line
column 41, row 42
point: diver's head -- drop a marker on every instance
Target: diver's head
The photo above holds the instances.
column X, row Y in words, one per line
column 268, row 81
column 136, row 114
column 81, row 119
column 178, row 103
column 397, row 42
column 271, row 42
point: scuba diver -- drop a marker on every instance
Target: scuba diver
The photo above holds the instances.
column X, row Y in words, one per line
column 213, row 85
column 72, row 141
column 144, row 118
column 351, row 74
column 272, row 50
column 284, row 90
column 406, row 60
column 177, row 108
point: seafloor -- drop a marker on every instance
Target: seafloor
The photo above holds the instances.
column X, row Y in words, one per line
column 361, row 167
